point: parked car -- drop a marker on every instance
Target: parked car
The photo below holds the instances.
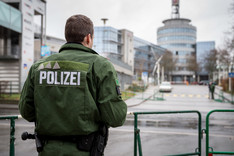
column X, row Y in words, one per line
column 204, row 82
column 165, row 87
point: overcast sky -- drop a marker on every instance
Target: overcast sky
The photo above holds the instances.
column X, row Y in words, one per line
column 211, row 17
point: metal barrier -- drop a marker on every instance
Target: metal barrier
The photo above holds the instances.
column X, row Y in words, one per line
column 9, row 87
column 158, row 95
column 12, row 131
column 221, row 97
column 137, row 139
column 207, row 135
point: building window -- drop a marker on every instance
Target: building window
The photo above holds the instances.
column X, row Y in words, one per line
column 9, row 44
column 177, row 30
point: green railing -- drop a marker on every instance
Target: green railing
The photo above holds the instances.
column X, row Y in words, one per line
column 221, row 97
column 137, row 139
column 208, row 151
column 158, row 95
column 12, row 131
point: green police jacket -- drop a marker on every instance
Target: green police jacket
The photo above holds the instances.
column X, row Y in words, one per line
column 72, row 92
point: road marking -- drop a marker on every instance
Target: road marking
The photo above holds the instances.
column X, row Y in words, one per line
column 186, row 95
column 190, row 95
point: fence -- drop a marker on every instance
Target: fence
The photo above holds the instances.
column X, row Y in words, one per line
column 8, row 87
column 137, row 139
column 209, row 150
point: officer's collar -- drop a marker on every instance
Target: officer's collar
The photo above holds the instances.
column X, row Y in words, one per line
column 76, row 46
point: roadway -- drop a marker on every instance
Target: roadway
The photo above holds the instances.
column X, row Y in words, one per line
column 175, row 133
column 160, row 134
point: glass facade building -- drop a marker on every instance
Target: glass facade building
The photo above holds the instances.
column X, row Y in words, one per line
column 202, row 49
column 107, row 40
column 126, row 51
column 10, row 30
column 146, row 54
column 179, row 36
column 17, row 41
column 116, row 45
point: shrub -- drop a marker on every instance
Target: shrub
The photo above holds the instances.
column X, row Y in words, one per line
column 135, row 88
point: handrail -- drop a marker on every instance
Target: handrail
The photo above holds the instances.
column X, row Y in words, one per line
column 207, row 134
column 137, row 139
column 12, row 131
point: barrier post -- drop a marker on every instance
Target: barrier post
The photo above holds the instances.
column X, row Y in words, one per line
column 12, row 137
column 137, row 139
column 135, row 135
column 12, row 132
column 208, row 152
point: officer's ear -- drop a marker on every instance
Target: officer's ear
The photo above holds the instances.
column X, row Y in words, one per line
column 88, row 41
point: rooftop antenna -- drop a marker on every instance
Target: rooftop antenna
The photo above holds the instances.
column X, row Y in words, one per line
column 175, row 6
column 104, row 20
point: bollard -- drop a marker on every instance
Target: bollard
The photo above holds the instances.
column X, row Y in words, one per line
column 12, row 131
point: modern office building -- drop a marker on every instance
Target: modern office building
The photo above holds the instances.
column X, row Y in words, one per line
column 130, row 55
column 117, row 46
column 146, row 54
column 202, row 49
column 53, row 44
column 179, row 36
column 17, row 40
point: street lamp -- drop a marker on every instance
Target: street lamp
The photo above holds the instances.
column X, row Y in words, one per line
column 230, row 79
column 157, row 66
column 104, row 32
column 104, row 20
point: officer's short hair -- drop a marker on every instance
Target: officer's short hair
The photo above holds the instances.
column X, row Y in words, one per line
column 77, row 27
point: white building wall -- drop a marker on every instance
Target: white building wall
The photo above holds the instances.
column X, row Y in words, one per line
column 128, row 48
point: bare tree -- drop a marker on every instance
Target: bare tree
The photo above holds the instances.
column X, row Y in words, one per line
column 229, row 41
column 224, row 57
column 192, row 64
column 168, row 62
column 210, row 60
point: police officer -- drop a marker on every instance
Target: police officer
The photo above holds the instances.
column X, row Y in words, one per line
column 70, row 94
column 212, row 90
column 209, row 87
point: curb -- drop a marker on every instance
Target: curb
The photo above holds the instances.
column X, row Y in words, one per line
column 140, row 102
column 9, row 101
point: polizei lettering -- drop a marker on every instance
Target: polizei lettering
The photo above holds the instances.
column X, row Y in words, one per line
column 60, row 78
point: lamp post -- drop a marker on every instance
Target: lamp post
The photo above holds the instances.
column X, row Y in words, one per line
column 156, row 67
column 104, row 20
column 219, row 74
column 230, row 79
column 104, row 33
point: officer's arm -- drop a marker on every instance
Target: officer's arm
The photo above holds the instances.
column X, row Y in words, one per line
column 26, row 103
column 112, row 108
